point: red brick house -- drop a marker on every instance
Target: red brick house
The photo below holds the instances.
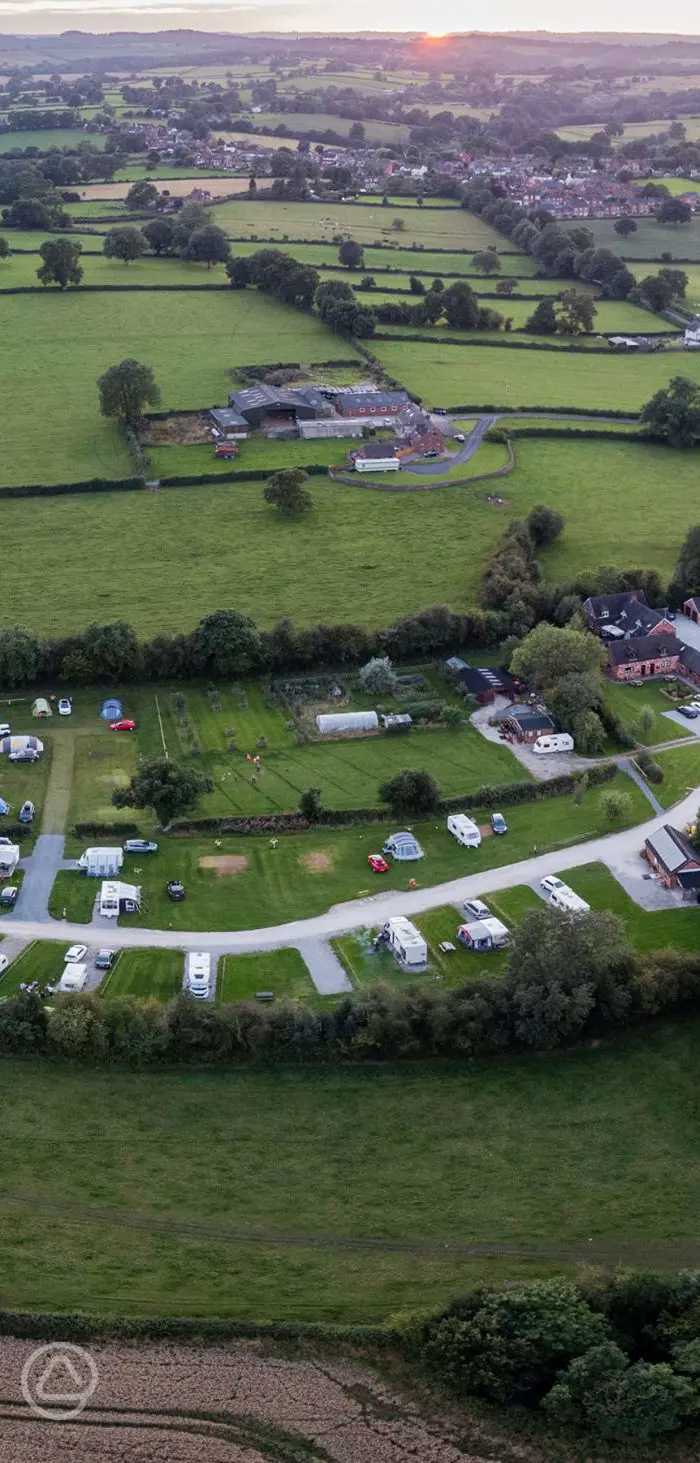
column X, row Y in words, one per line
column 674, row 860
column 645, row 655
column 691, row 608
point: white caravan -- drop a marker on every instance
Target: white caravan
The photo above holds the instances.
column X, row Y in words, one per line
column 464, row 829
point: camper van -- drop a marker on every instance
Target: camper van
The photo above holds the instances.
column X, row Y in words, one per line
column 405, row 942
column 464, row 829
column 483, row 934
column 101, row 863
column 553, row 742
column 117, row 898
column 73, row 978
column 198, row 974
column 560, row 896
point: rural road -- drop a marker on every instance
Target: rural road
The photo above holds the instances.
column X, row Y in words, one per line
column 614, row 849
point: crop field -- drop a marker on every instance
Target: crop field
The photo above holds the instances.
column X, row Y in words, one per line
column 240, row 882
column 448, row 228
column 652, row 239
column 51, row 137
column 191, row 340
column 592, row 1144
column 480, row 375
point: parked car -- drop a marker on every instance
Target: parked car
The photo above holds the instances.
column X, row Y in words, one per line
column 459, row 437
column 65, row 706
column 8, row 896
column 4, row 962
column 378, row 863
column 104, row 959
column 140, row 845
column 75, row 954
column 498, row 823
column 476, row 908
column 690, row 712
column 635, row 683
column 27, row 754
column 26, row 812
column 550, row 883
column 5, row 729
column 432, row 452
column 125, row 725
column 4, row 807
column 176, row 890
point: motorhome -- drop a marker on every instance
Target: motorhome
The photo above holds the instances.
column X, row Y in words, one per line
column 405, row 942
column 101, row 863
column 73, row 979
column 464, row 829
column 198, row 974
column 553, row 742
column 564, row 898
column 117, row 898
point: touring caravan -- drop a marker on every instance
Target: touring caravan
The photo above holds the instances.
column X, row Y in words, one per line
column 198, row 974
column 464, row 829
column 9, row 857
column 73, row 979
column 117, row 898
column 553, row 742
column 565, row 898
column 406, row 942
column 101, row 863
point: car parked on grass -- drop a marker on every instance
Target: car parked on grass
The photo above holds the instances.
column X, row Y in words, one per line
column 26, row 812
column 8, row 896
column 75, row 954
column 377, row 863
column 104, row 959
column 175, row 890
column 5, row 729
column 26, row 754
column 65, row 706
column 476, row 908
column 126, row 724
column 140, row 845
column 690, row 712
column 498, row 823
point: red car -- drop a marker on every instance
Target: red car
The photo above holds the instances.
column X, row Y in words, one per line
column 378, row 863
column 125, row 725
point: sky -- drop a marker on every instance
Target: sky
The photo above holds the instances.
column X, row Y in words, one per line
column 42, row 17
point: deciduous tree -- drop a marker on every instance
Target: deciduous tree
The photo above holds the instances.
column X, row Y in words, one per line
column 167, row 787
column 126, row 389
column 60, row 264
column 287, row 491
column 125, row 244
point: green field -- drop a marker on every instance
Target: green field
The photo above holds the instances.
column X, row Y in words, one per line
column 145, row 973
column 51, row 137
column 398, row 260
column 41, row 961
column 192, row 341
column 305, row 874
column 652, row 239
column 554, row 1150
column 283, row 972
column 662, row 929
column 297, row 123
column 611, row 315
column 478, row 375
column 628, row 701
column 681, row 769
column 442, row 228
column 21, row 269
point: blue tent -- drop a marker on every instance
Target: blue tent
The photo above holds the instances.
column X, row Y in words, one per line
column 111, row 710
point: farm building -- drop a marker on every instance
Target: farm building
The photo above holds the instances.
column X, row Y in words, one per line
column 404, row 847
column 229, row 423
column 405, row 942
column 647, row 655
column 41, row 707
column 334, row 723
column 21, row 744
column 258, row 405
column 526, row 723
column 371, row 403
column 483, row 682
column 617, row 616
column 674, row 860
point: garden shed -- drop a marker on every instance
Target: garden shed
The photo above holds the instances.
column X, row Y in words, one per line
column 41, row 707
column 334, row 723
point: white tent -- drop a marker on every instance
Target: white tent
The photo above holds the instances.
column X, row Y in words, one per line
column 347, row 721
column 41, row 707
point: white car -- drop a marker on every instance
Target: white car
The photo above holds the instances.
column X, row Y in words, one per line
column 5, row 729
column 4, row 962
column 75, row 954
column 476, row 909
column 65, row 706
column 550, row 883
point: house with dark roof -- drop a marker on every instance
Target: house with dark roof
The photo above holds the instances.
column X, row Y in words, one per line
column 674, row 860
column 690, row 663
column 483, row 682
column 525, row 723
column 228, row 423
column 259, row 403
column 644, row 655
column 627, row 615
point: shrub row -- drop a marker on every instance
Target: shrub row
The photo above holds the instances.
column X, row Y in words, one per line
column 242, row 475
column 98, row 289
column 44, row 1325
column 403, row 248
column 57, row 490
column 505, row 342
column 614, row 413
column 597, row 434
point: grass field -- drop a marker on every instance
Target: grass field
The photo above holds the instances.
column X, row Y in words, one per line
column 307, row 873
column 651, row 240
column 178, row 187
column 628, row 701
column 51, row 137
column 41, row 961
column 477, row 375
column 298, row 123
column 610, row 315
column 21, row 269
column 191, row 341
column 662, row 929
column 559, row 1149
column 681, row 769
column 444, row 229
column 400, row 260
column 283, row 972
column 141, row 973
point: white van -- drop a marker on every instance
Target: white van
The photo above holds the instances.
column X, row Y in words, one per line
column 198, row 974
column 464, row 829
column 73, row 978
column 553, row 742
